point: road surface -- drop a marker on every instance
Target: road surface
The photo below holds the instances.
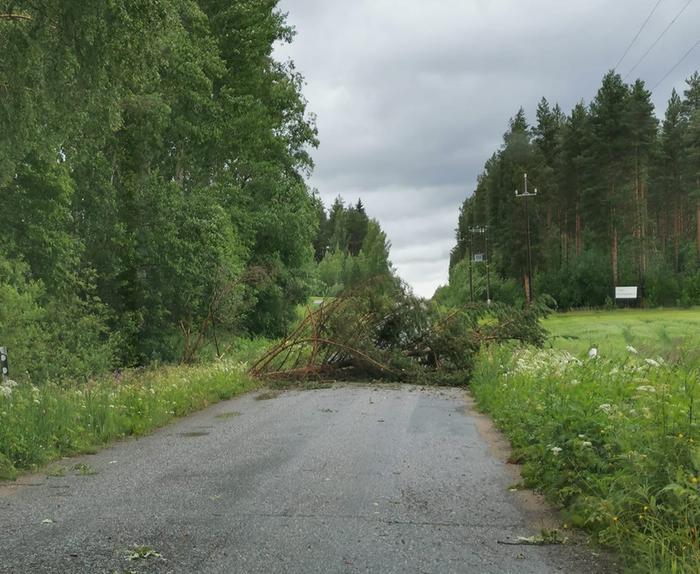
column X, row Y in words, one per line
column 343, row 480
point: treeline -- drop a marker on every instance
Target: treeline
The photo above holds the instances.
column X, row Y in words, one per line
column 152, row 162
column 618, row 202
column 351, row 249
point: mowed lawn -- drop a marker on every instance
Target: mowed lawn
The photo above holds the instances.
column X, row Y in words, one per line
column 671, row 333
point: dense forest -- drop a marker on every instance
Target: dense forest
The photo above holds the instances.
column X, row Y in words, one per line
column 351, row 249
column 152, row 172
column 618, row 203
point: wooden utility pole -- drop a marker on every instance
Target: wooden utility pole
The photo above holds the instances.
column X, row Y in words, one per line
column 483, row 230
column 525, row 194
column 471, row 281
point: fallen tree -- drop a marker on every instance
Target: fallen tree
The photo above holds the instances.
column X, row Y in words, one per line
column 369, row 333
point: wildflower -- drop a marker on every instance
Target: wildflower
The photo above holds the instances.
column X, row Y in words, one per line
column 652, row 362
column 646, row 389
column 586, row 443
column 555, row 450
column 646, row 508
column 6, row 391
column 582, row 436
column 631, row 349
column 607, row 408
column 615, row 519
column 694, row 479
column 575, row 382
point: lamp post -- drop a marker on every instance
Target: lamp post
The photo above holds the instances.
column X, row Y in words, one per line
column 525, row 194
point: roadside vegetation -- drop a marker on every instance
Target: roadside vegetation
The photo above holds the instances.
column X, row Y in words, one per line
column 39, row 424
column 614, row 440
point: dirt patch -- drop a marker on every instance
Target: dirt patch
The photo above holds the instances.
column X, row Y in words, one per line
column 228, row 415
column 267, row 395
column 538, row 510
column 534, row 505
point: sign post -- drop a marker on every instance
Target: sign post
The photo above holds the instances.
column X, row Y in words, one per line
column 627, row 294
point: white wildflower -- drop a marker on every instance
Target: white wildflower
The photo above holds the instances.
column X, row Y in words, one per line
column 555, row 450
column 614, row 371
column 631, row 349
column 582, row 436
column 5, row 391
column 586, row 443
column 652, row 362
column 607, row 408
column 646, row 389
column 575, row 382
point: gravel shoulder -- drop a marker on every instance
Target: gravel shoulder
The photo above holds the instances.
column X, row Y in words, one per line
column 354, row 478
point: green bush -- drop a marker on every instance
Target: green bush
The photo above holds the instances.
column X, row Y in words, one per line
column 615, row 443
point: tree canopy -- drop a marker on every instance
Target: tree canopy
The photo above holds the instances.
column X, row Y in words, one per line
column 618, row 202
column 151, row 153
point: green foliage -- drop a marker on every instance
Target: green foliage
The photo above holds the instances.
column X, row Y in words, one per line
column 152, row 155
column 615, row 442
column 353, row 249
column 40, row 424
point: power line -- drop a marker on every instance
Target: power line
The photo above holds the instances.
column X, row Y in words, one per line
column 637, row 35
column 678, row 63
column 671, row 23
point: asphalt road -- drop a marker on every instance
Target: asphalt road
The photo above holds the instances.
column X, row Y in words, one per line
column 342, row 480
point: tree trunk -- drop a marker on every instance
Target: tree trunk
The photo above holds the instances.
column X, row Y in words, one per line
column 613, row 255
column 526, row 283
column 697, row 225
column 677, row 226
column 578, row 227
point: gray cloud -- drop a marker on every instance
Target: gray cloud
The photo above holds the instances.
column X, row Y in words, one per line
column 412, row 97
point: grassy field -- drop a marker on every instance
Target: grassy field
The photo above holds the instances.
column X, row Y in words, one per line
column 615, row 441
column 664, row 332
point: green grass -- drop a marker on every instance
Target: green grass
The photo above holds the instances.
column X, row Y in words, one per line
column 41, row 424
column 614, row 441
column 665, row 332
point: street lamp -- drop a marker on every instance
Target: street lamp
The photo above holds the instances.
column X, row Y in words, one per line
column 525, row 194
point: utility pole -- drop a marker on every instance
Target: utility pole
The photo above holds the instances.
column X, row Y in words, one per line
column 488, row 266
column 471, row 282
column 483, row 230
column 525, row 194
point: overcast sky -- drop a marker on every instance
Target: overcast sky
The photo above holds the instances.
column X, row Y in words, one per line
column 412, row 96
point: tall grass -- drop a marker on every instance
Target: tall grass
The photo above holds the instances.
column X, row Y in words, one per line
column 615, row 442
column 40, row 424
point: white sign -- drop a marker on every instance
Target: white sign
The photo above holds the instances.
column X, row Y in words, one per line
column 478, row 258
column 625, row 292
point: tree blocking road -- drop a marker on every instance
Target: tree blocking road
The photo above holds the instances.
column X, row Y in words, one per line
column 350, row 479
